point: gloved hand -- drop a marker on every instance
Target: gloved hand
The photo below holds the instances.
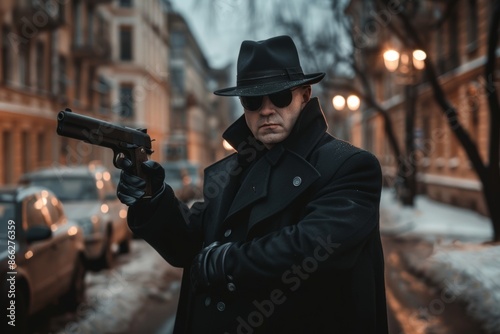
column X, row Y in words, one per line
column 131, row 188
column 208, row 267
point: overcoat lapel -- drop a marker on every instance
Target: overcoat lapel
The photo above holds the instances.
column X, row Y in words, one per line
column 282, row 187
column 276, row 179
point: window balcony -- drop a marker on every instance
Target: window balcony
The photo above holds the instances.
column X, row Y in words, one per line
column 96, row 51
column 36, row 15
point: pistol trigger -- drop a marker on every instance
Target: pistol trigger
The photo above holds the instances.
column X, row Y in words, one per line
column 119, row 160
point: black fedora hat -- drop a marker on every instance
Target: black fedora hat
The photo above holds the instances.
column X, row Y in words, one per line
column 268, row 66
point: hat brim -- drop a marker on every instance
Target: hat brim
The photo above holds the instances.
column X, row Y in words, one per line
column 269, row 88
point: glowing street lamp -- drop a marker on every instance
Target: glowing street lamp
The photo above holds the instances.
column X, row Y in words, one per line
column 393, row 60
column 353, row 102
column 418, row 59
column 339, row 102
column 407, row 66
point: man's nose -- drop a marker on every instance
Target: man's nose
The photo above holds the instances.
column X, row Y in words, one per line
column 267, row 107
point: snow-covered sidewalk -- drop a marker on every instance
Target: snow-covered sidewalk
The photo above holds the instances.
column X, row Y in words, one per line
column 464, row 267
column 114, row 296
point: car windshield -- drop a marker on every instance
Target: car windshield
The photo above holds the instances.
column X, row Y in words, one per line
column 69, row 188
column 7, row 212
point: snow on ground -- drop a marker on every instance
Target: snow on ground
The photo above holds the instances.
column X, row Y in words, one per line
column 465, row 267
column 432, row 221
column 115, row 295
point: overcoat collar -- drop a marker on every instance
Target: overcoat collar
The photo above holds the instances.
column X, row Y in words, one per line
column 310, row 124
column 268, row 194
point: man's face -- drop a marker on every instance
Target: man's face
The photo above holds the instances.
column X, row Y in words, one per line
column 271, row 124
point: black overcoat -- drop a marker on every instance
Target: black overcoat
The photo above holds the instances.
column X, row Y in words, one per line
column 304, row 217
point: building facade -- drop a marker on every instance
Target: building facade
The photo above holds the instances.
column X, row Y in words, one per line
column 456, row 43
column 198, row 117
column 106, row 59
column 137, row 77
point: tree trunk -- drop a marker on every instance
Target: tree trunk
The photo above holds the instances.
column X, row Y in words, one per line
column 408, row 163
column 491, row 193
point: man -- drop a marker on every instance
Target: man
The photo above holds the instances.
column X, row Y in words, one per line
column 287, row 237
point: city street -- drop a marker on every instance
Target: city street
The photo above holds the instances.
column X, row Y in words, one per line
column 139, row 295
column 417, row 306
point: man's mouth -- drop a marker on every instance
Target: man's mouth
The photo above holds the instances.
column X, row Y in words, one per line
column 269, row 125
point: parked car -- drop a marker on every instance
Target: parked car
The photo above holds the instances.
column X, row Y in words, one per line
column 89, row 196
column 43, row 248
column 184, row 178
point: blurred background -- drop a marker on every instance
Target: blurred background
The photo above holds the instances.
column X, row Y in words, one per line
column 413, row 81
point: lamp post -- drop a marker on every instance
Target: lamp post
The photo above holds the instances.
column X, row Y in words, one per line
column 341, row 103
column 407, row 66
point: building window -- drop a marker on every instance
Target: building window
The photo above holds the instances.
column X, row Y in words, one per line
column 90, row 26
column 40, row 149
column 453, row 34
column 62, row 76
column 78, row 80
column 40, row 66
column 178, row 80
column 6, row 56
column 126, row 105
column 472, row 26
column 426, row 135
column 177, row 39
column 8, row 176
column 472, row 95
column 103, row 89
column 439, row 134
column 125, row 43
column 126, row 3
column 78, row 23
column 25, row 143
column 24, row 65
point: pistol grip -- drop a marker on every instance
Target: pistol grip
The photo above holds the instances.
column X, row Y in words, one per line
column 140, row 155
column 137, row 156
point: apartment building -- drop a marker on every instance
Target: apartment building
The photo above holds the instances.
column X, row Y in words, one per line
column 106, row 59
column 457, row 45
column 137, row 77
column 198, row 117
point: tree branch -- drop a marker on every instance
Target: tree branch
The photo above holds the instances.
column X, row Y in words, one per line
column 440, row 97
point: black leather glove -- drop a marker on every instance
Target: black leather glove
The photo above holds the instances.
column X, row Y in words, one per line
column 131, row 188
column 208, row 267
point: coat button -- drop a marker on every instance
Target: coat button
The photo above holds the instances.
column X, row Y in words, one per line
column 221, row 306
column 227, row 233
column 208, row 300
column 231, row 287
column 297, row 181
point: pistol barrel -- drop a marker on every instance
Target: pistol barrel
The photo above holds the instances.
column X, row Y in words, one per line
column 98, row 132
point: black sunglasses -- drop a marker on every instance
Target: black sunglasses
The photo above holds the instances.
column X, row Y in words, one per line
column 279, row 99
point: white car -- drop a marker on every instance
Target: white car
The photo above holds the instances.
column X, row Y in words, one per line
column 42, row 258
column 89, row 197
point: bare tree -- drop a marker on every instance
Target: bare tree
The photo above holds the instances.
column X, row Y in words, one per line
column 487, row 170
